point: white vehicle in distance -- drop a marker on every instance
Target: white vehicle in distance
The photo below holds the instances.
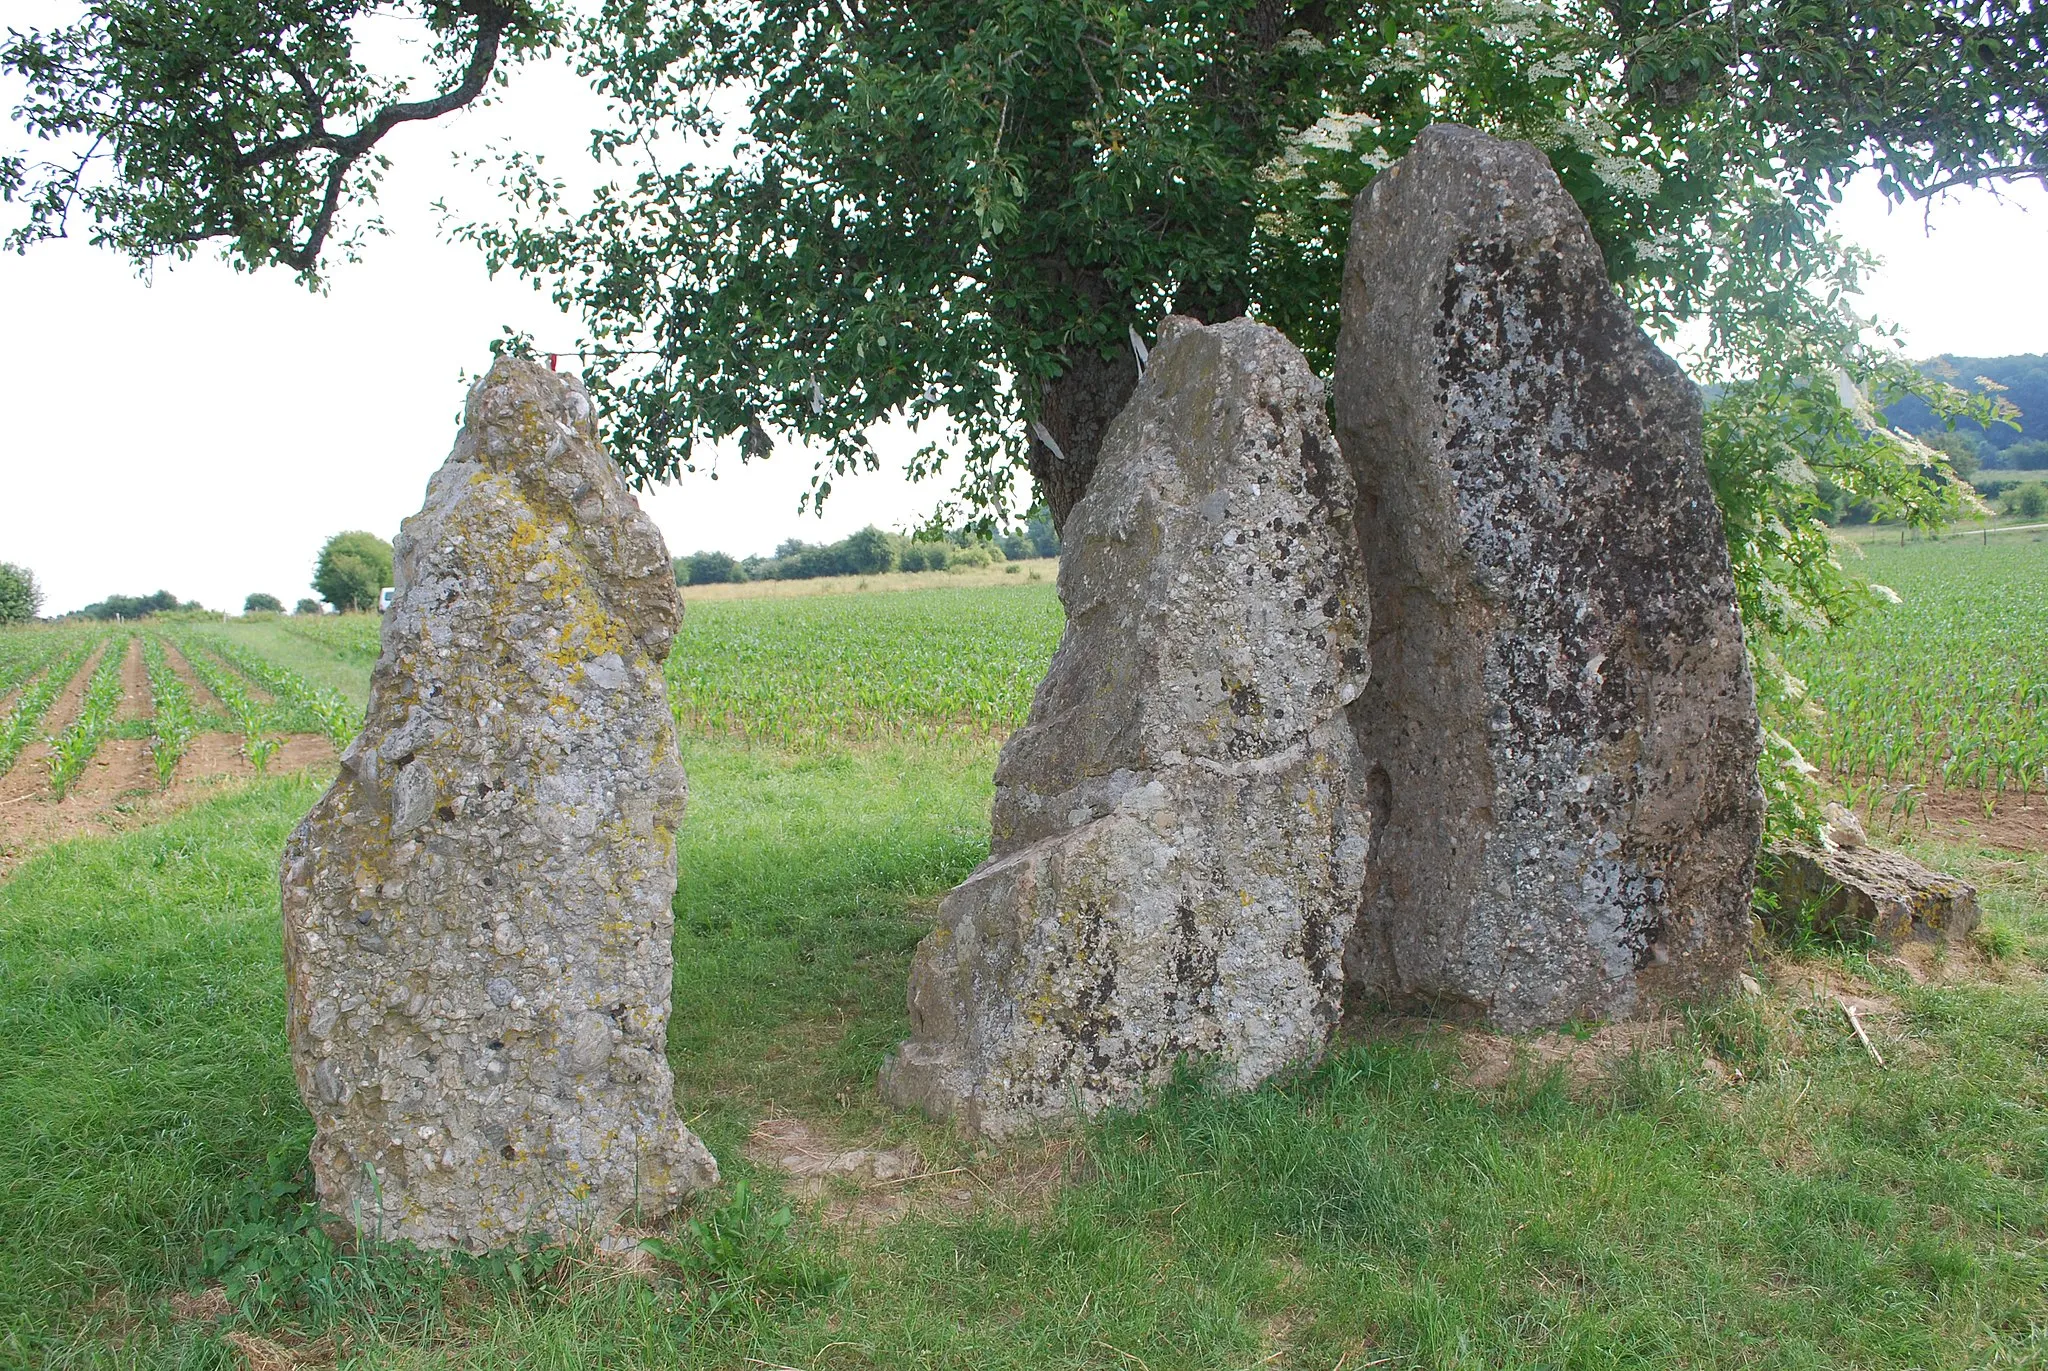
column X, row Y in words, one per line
column 384, row 600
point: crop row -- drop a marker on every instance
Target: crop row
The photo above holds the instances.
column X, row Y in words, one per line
column 254, row 718
column 299, row 706
column 20, row 725
column 1949, row 687
column 173, row 723
column 912, row 664
column 72, row 749
column 354, row 638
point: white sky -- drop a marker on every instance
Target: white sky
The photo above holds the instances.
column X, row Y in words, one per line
column 205, row 431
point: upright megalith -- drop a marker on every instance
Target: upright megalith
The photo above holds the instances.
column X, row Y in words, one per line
column 1560, row 729
column 477, row 913
column 1178, row 835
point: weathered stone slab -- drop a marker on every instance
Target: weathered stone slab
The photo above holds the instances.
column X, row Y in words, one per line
column 477, row 913
column 1178, row 835
column 1862, row 893
column 1561, row 727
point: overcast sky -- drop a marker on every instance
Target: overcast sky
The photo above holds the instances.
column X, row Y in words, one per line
column 204, row 431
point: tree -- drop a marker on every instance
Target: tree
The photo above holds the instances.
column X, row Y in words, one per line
column 136, row 606
column 353, row 570
column 967, row 213
column 259, row 603
column 183, row 121
column 707, row 568
column 21, row 599
column 308, row 606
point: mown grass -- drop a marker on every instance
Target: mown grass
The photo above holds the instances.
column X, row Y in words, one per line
column 1755, row 1192
column 1823, row 1212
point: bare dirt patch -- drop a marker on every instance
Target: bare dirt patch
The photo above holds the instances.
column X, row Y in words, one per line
column 136, row 701
column 2015, row 822
column 857, row 1187
column 205, row 1306
column 119, row 791
column 1491, row 1060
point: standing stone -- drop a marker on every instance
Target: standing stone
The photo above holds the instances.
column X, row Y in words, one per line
column 477, row 913
column 1561, row 728
column 1178, row 835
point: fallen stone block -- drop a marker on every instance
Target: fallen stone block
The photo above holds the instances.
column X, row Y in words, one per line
column 1861, row 893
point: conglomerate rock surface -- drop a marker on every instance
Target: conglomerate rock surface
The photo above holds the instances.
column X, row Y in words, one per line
column 1561, row 728
column 477, row 913
column 1178, row 834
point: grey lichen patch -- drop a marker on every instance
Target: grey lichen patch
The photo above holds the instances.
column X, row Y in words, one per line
column 1561, row 726
column 477, row 913
column 1179, row 832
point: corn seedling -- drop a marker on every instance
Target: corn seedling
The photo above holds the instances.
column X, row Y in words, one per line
column 302, row 707
column 251, row 716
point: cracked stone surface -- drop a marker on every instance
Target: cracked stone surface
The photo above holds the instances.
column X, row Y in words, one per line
column 477, row 913
column 1178, row 833
column 1560, row 730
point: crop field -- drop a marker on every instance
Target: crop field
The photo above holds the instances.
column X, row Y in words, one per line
column 1947, row 689
column 1741, row 1186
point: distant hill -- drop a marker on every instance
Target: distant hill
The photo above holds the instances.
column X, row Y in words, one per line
column 2024, row 377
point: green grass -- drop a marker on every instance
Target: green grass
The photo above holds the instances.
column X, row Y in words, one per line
column 1947, row 688
column 1821, row 1214
column 912, row 664
column 279, row 641
column 1376, row 1211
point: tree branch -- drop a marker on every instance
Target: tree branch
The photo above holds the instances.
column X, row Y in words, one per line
column 492, row 21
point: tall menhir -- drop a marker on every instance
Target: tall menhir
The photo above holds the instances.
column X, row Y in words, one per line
column 1560, row 728
column 477, row 913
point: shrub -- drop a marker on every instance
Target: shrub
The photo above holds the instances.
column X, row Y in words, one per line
column 353, row 570
column 259, row 603
column 925, row 556
column 1965, row 451
column 2029, row 454
column 867, row 552
column 21, row 599
column 2029, row 501
column 308, row 606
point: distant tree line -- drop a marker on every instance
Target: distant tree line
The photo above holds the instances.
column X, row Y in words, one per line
column 136, row 606
column 871, row 552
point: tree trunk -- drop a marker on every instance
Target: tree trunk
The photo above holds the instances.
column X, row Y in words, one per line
column 1076, row 407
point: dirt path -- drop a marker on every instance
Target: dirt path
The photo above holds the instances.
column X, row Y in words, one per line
column 136, row 701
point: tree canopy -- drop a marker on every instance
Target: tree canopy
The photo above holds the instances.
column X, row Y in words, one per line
column 21, row 599
column 353, row 570
column 969, row 213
